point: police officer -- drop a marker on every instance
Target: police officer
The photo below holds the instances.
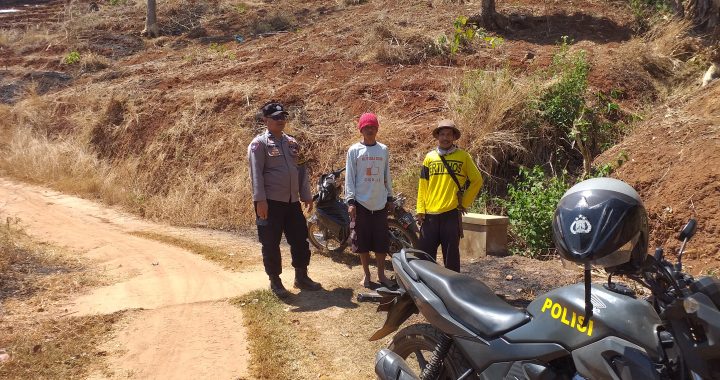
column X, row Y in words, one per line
column 279, row 184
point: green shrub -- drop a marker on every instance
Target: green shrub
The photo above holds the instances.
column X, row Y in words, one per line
column 563, row 102
column 464, row 34
column 530, row 206
column 72, row 58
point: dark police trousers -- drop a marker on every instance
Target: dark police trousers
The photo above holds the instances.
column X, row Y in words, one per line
column 288, row 218
column 444, row 230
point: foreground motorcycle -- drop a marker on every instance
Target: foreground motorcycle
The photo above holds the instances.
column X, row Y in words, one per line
column 581, row 331
column 329, row 225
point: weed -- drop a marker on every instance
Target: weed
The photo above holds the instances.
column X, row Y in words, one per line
column 491, row 106
column 464, row 34
column 530, row 206
column 72, row 58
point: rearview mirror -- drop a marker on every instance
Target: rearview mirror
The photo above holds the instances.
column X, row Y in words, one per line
column 688, row 231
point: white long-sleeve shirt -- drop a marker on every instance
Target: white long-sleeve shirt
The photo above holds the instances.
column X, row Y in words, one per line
column 367, row 175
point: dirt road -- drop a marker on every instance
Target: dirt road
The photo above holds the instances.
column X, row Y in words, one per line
column 185, row 328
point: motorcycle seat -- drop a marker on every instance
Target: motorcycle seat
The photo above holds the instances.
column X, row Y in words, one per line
column 469, row 300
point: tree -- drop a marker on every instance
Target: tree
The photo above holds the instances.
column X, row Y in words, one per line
column 488, row 12
column 490, row 18
column 151, row 27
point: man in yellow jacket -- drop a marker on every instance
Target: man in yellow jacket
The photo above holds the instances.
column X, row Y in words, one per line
column 444, row 195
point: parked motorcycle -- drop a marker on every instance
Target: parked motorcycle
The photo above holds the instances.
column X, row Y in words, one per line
column 581, row 331
column 329, row 224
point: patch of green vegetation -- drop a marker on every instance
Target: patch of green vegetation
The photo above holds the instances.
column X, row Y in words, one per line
column 530, row 206
column 590, row 125
column 464, row 35
column 72, row 58
column 562, row 103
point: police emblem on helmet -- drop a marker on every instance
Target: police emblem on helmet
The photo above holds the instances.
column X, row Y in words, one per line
column 580, row 226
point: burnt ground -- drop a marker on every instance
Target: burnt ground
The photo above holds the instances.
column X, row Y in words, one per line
column 519, row 280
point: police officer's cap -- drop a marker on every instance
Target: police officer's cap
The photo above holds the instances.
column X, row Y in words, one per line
column 273, row 109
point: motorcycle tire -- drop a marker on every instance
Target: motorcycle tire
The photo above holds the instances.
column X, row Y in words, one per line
column 400, row 237
column 416, row 343
column 317, row 239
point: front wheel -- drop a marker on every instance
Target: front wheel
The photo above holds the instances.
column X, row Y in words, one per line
column 416, row 343
column 400, row 237
column 319, row 238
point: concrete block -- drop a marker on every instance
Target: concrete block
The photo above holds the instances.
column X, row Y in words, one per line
column 484, row 235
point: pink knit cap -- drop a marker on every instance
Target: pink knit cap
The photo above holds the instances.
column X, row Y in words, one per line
column 367, row 119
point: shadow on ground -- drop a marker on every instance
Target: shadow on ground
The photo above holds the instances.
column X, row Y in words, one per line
column 322, row 299
column 549, row 29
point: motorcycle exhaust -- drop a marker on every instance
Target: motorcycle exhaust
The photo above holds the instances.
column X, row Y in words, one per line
column 390, row 366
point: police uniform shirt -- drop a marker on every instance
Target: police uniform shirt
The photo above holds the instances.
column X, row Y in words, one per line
column 274, row 169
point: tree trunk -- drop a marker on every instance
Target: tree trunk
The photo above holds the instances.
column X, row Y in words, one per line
column 704, row 13
column 488, row 12
column 151, row 27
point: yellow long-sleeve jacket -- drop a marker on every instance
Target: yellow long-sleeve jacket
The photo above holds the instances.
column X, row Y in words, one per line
column 437, row 190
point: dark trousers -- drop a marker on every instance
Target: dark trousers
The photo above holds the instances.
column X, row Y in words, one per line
column 288, row 218
column 444, row 230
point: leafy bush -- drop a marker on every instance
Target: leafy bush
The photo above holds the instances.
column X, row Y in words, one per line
column 530, row 205
column 72, row 58
column 563, row 103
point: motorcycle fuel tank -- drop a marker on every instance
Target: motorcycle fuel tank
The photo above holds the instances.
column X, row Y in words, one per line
column 558, row 316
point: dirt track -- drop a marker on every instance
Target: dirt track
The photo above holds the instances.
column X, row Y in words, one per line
column 185, row 329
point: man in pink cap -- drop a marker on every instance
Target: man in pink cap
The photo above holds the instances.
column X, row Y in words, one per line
column 368, row 191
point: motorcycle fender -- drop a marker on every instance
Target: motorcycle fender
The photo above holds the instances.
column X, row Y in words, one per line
column 399, row 310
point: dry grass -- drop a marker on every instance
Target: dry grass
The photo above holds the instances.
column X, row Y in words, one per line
column 42, row 341
column 313, row 336
column 91, row 62
column 56, row 348
column 171, row 179
column 229, row 260
column 24, row 41
column 276, row 351
column 673, row 38
column 64, row 164
column 401, row 46
column 491, row 108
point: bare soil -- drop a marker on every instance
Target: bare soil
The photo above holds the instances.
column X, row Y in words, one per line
column 674, row 163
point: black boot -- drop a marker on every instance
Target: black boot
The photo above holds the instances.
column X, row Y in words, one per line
column 276, row 286
column 302, row 281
